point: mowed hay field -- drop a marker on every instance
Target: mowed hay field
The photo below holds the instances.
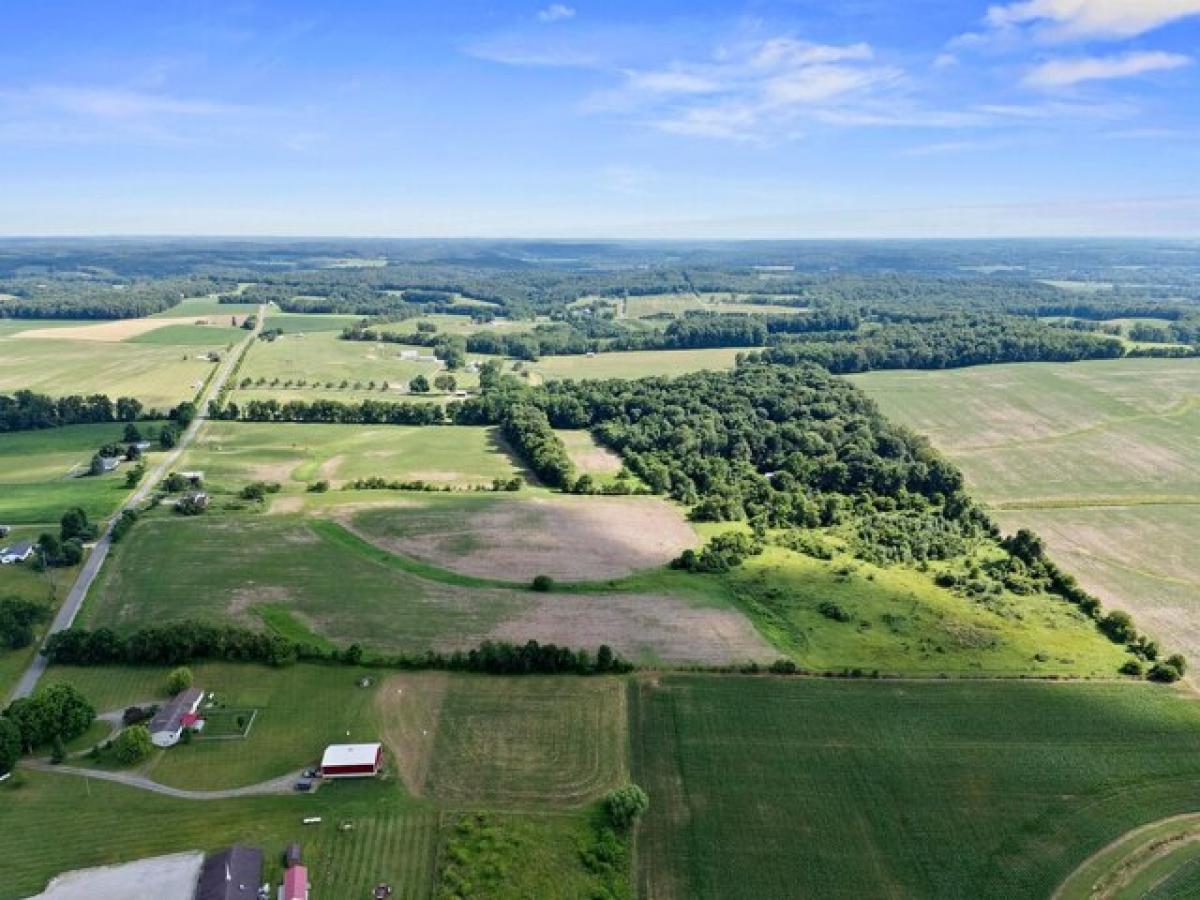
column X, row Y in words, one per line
column 232, row 454
column 158, row 375
column 767, row 787
column 1100, row 458
column 311, row 577
column 522, row 743
column 54, row 823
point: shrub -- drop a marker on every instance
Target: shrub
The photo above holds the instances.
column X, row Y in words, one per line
column 319, row 487
column 831, row 610
column 1164, row 673
column 625, row 804
column 10, row 745
column 179, row 680
column 542, row 583
column 132, row 745
column 1132, row 667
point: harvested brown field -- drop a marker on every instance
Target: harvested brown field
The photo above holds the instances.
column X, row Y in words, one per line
column 567, row 538
column 647, row 628
column 106, row 332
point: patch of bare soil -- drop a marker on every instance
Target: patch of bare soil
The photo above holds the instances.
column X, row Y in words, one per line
column 567, row 538
column 643, row 627
column 241, row 599
column 589, row 456
column 330, row 467
column 285, row 505
column 409, row 708
column 280, row 471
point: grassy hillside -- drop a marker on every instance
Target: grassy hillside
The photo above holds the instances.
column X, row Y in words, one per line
column 783, row 788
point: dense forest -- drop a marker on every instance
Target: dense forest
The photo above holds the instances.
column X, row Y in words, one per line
column 76, row 298
column 28, row 411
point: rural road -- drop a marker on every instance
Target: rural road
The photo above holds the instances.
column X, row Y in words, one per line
column 284, row 784
column 91, row 567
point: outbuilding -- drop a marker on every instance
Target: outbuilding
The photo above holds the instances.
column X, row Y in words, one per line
column 17, row 553
column 233, row 874
column 179, row 713
column 351, row 760
column 295, row 884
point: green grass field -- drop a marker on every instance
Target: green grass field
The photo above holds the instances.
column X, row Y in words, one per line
column 232, row 454
column 296, row 323
column 901, row 622
column 1101, row 458
column 159, row 376
column 36, row 485
column 765, row 787
column 213, row 337
column 320, row 358
column 635, row 364
column 204, row 307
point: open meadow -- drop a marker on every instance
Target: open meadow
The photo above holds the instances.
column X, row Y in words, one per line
column 1100, row 458
column 766, row 787
column 233, row 454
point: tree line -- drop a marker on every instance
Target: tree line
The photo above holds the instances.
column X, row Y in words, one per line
column 26, row 410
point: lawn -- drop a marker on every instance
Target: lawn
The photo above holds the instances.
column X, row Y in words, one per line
column 1101, row 458
column 901, row 622
column 635, row 363
column 232, row 454
column 53, row 823
column 159, row 376
column 767, row 787
column 326, row 699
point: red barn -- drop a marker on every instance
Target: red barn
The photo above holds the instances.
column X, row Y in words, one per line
column 351, row 760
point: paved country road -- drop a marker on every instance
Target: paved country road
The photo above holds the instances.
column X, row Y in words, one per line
column 91, row 567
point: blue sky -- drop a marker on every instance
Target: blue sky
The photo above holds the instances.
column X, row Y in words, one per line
column 591, row 119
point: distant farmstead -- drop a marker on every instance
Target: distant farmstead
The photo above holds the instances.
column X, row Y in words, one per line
column 166, row 728
column 351, row 760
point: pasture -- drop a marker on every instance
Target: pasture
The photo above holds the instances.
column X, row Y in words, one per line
column 1101, row 458
column 768, row 787
column 314, row 577
column 206, row 308
column 232, row 454
column 589, row 456
column 159, row 376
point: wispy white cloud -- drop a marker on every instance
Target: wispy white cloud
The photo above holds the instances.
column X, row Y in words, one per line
column 1066, row 72
column 556, row 12
column 1075, row 19
column 117, row 104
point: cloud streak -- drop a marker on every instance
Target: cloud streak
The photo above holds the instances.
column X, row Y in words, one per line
column 1066, row 72
column 556, row 12
column 1078, row 19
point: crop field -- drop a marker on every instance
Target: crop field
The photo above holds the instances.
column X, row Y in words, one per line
column 36, row 474
column 635, row 363
column 506, row 743
column 329, row 366
column 212, row 337
column 329, row 702
column 53, row 823
column 774, row 787
column 159, row 376
column 206, row 308
column 296, row 323
column 328, row 582
column 232, row 454
column 901, row 622
column 1100, row 458
column 568, row 538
